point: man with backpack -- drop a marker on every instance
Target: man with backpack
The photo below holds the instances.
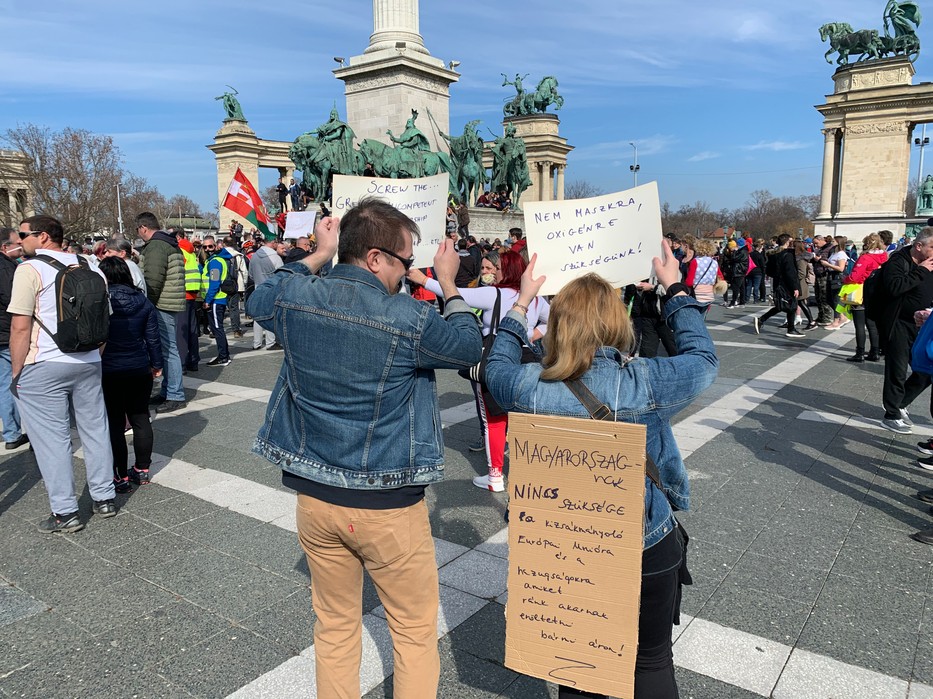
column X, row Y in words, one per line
column 163, row 266
column 218, row 283
column 60, row 320
column 239, row 270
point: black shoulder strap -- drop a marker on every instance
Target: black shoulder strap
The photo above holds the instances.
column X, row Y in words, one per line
column 52, row 262
column 496, row 312
column 600, row 411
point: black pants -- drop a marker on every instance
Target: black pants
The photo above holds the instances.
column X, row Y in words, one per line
column 899, row 391
column 805, row 308
column 774, row 310
column 660, row 607
column 737, row 284
column 188, row 322
column 233, row 309
column 652, row 332
column 126, row 396
column 863, row 323
column 215, row 317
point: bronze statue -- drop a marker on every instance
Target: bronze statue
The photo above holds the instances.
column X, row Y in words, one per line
column 232, row 105
column 326, row 151
column 537, row 102
column 468, row 176
column 846, row 41
column 901, row 16
column 411, row 144
column 925, row 197
column 510, row 165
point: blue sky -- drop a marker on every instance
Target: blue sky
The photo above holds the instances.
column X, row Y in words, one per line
column 717, row 95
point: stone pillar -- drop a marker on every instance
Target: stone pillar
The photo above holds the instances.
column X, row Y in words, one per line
column 547, row 188
column 828, row 188
column 560, row 182
column 395, row 21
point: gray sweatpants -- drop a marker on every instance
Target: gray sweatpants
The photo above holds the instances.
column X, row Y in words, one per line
column 49, row 394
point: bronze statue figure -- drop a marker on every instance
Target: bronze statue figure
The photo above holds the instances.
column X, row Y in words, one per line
column 537, row 102
column 510, row 165
column 232, row 105
column 468, row 176
column 411, row 144
column 901, row 16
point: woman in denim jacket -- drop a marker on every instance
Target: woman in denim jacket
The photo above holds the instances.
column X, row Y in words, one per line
column 589, row 336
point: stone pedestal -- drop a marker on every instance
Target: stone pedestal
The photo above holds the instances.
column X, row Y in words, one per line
column 492, row 224
column 547, row 155
column 868, row 126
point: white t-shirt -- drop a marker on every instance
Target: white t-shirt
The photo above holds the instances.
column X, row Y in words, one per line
column 837, row 257
column 484, row 298
column 34, row 295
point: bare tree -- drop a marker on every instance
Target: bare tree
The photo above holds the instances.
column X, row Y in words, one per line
column 581, row 189
column 73, row 173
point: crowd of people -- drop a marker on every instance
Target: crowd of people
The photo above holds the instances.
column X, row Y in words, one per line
column 477, row 309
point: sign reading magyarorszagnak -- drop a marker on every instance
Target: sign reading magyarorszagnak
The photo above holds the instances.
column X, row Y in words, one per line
column 576, row 511
column 422, row 199
column 614, row 235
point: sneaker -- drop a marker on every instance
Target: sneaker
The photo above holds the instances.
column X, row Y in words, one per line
column 217, row 361
column 895, row 425
column 18, row 442
column 496, row 484
column 172, row 405
column 858, row 358
column 238, row 333
column 872, row 356
column 274, row 346
column 926, row 463
column 140, row 476
column 758, row 326
column 824, row 325
column 906, row 418
column 741, row 305
column 61, row 523
column 481, row 446
column 811, row 326
column 794, row 333
column 926, row 447
column 783, row 325
column 192, row 367
column 122, row 485
column 105, row 509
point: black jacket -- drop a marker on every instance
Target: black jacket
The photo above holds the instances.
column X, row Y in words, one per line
column 7, row 268
column 909, row 286
column 785, row 271
column 134, row 344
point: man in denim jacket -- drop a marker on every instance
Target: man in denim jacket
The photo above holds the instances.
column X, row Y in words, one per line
column 354, row 424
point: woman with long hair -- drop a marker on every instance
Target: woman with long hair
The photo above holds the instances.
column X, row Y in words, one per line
column 872, row 257
column 802, row 258
column 132, row 358
column 501, row 294
column 589, row 338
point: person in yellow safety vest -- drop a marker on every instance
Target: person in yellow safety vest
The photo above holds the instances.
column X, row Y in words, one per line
column 215, row 302
column 188, row 325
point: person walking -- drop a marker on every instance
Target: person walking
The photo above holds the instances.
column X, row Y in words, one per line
column 263, row 264
column 786, row 287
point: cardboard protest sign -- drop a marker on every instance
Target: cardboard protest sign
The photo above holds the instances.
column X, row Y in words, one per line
column 422, row 199
column 577, row 490
column 299, row 223
column 614, row 235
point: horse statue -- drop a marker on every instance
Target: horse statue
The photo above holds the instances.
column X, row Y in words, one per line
column 388, row 161
column 314, row 159
column 523, row 103
column 847, row 42
column 906, row 44
column 546, row 94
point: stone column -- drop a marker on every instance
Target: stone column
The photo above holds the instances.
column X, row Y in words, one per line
column 560, row 182
column 546, row 182
column 829, row 170
column 395, row 21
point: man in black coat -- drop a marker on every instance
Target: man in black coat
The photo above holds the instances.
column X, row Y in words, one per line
column 10, row 249
column 783, row 270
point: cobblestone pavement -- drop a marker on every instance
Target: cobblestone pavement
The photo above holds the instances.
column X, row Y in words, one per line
column 807, row 584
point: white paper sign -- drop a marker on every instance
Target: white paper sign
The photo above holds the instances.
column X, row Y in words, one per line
column 422, row 199
column 614, row 235
column 299, row 224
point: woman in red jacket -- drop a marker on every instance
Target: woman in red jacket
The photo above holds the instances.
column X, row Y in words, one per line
column 872, row 257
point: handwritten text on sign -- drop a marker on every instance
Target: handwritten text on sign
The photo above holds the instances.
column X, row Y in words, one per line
column 576, row 510
column 423, row 200
column 614, row 235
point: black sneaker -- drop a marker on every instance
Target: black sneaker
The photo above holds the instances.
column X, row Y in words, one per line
column 139, row 476
column 811, row 326
column 171, row 405
column 122, row 485
column 157, row 400
column 217, row 361
column 273, row 347
column 926, row 463
column 794, row 333
column 926, row 447
column 105, row 509
column 18, row 442
column 61, row 523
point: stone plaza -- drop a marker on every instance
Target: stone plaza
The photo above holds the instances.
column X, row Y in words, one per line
column 806, row 583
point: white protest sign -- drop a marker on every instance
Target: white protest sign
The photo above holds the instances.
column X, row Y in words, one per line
column 614, row 235
column 422, row 199
column 299, row 224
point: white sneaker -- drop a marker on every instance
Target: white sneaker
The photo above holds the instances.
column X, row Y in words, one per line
column 905, row 418
column 496, row 484
column 896, row 425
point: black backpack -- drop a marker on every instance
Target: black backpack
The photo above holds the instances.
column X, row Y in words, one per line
column 230, row 284
column 875, row 297
column 82, row 307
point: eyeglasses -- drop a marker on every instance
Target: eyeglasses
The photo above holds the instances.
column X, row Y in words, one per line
column 26, row 234
column 209, row 247
column 406, row 262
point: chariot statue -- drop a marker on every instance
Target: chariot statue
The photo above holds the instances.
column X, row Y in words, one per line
column 523, row 103
column 900, row 16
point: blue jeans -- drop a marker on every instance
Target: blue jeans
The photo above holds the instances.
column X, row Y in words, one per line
column 8, row 412
column 753, row 286
column 171, row 376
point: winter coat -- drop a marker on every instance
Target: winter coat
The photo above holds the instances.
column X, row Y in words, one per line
column 7, row 268
column 134, row 344
column 163, row 266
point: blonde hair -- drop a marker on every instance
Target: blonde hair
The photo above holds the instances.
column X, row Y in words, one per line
column 585, row 315
column 705, row 248
column 872, row 241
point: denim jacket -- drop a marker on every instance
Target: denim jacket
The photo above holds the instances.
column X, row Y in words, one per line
column 355, row 403
column 643, row 391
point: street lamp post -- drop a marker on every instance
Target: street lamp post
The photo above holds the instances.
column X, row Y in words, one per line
column 923, row 142
column 119, row 211
column 634, row 167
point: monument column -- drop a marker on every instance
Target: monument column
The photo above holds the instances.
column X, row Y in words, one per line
column 395, row 21
column 546, row 184
column 829, row 174
column 560, row 182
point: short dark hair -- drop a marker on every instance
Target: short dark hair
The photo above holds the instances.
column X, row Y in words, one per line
column 886, row 237
column 517, row 232
column 120, row 245
column 229, row 241
column 46, row 224
column 783, row 238
column 7, row 233
column 373, row 223
column 116, row 271
column 180, row 233
column 147, row 219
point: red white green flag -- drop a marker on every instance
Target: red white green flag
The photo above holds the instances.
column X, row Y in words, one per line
column 243, row 199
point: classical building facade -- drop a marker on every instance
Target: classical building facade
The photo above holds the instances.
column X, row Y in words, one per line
column 15, row 189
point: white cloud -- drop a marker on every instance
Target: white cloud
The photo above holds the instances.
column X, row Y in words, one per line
column 622, row 150
column 777, row 145
column 704, row 155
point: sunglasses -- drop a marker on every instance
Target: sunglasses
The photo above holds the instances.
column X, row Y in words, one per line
column 209, row 247
column 406, row 262
column 23, row 236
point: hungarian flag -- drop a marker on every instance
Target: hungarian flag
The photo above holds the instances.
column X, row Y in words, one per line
column 243, row 199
